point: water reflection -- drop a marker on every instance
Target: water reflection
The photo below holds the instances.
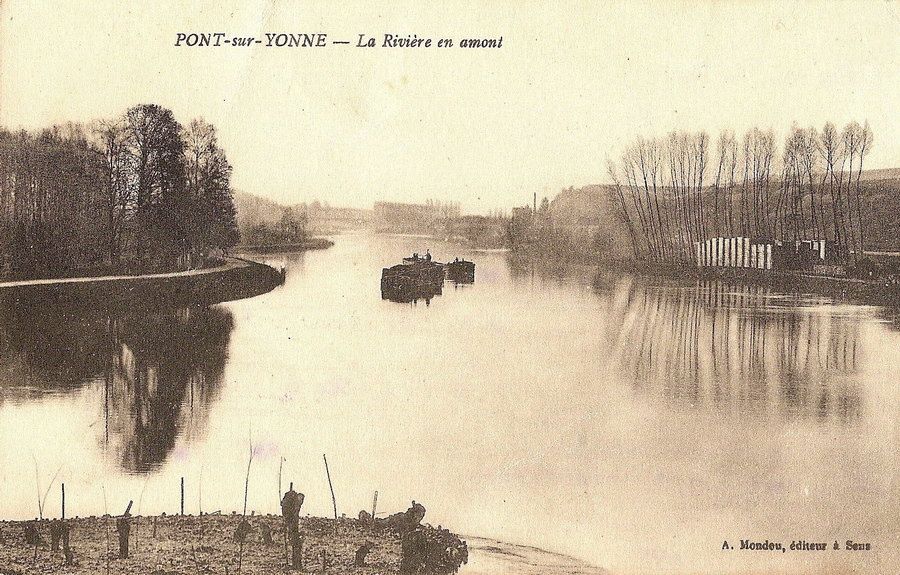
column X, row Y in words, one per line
column 159, row 372
column 741, row 349
column 47, row 352
column 656, row 446
column 412, row 294
column 523, row 269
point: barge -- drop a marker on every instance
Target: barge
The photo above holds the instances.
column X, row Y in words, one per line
column 422, row 277
column 461, row 271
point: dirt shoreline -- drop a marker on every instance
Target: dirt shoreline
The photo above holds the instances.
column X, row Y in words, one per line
column 182, row 545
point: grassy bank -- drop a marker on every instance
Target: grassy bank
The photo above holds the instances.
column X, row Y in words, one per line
column 236, row 279
column 206, row 545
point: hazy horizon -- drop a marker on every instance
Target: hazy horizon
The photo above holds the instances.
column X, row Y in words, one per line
column 485, row 128
column 867, row 175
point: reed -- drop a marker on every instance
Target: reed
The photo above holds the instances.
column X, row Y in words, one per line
column 244, row 513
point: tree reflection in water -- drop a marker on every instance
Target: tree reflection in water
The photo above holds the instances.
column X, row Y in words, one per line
column 160, row 371
column 743, row 349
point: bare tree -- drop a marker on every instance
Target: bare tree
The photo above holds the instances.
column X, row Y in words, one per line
column 722, row 148
column 117, row 199
column 829, row 148
column 865, row 146
column 808, row 154
column 212, row 220
column 665, row 200
column 619, row 202
column 156, row 150
column 851, row 136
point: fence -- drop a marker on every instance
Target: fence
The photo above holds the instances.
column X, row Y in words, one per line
column 735, row 253
column 766, row 254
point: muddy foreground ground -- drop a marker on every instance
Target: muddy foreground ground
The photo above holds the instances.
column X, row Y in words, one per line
column 205, row 545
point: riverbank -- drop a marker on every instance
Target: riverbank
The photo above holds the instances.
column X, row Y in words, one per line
column 493, row 557
column 236, row 279
column 868, row 292
column 169, row 545
column 879, row 292
column 310, row 244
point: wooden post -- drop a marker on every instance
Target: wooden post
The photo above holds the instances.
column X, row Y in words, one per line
column 287, row 559
column 374, row 505
column 123, row 527
column 64, row 501
column 182, row 495
column 67, row 549
column 330, row 486
column 290, row 514
column 280, row 464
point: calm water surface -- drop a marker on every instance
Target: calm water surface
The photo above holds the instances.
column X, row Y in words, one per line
column 634, row 424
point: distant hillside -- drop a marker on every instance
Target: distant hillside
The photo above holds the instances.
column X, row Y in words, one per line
column 588, row 211
column 320, row 218
column 881, row 201
column 253, row 210
column 882, row 174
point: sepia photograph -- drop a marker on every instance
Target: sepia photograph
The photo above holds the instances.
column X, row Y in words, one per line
column 477, row 287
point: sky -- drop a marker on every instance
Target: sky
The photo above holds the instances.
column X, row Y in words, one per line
column 571, row 86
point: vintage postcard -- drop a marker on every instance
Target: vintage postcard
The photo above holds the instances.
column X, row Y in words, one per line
column 489, row 288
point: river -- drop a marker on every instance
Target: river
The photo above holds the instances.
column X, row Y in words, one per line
column 635, row 424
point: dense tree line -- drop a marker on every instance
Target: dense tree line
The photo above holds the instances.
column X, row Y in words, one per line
column 675, row 191
column 138, row 192
column 546, row 233
column 291, row 228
